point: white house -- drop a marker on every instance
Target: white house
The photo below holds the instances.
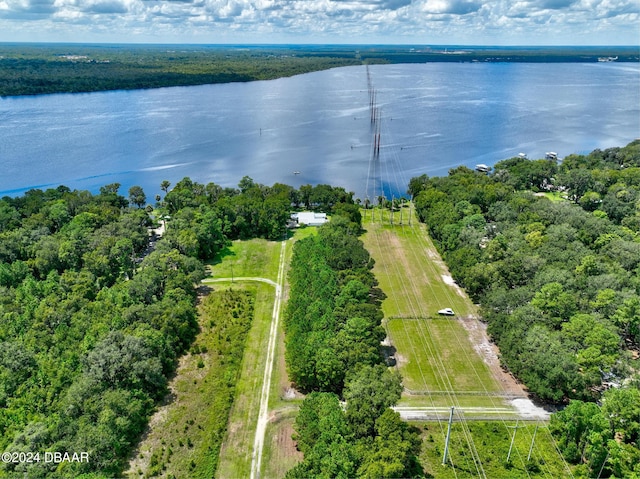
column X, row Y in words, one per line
column 309, row 218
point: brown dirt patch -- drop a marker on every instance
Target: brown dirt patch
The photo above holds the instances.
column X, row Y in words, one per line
column 392, row 243
column 489, row 353
column 284, row 440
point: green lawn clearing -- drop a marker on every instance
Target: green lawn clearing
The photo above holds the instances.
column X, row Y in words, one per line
column 434, row 353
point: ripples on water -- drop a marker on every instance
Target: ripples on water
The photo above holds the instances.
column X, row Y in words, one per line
column 433, row 117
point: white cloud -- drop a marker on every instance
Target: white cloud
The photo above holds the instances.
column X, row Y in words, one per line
column 456, row 7
column 332, row 21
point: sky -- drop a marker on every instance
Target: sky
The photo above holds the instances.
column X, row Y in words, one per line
column 417, row 22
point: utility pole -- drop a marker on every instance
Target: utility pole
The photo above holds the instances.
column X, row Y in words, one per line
column 446, row 443
column 513, row 439
column 532, row 441
column 392, row 200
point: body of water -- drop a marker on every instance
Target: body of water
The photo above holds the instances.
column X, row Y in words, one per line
column 316, row 128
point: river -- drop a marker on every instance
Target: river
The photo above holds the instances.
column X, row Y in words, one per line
column 316, row 128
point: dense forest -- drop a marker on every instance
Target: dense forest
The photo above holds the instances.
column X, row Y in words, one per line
column 551, row 251
column 93, row 316
column 68, row 68
column 31, row 69
column 333, row 351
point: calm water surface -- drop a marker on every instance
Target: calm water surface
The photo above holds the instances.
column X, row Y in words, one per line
column 434, row 117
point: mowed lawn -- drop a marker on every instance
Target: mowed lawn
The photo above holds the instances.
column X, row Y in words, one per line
column 435, row 355
column 256, row 257
column 433, row 352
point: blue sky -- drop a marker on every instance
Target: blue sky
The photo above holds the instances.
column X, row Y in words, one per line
column 496, row 22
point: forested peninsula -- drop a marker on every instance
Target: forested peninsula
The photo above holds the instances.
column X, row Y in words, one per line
column 32, row 69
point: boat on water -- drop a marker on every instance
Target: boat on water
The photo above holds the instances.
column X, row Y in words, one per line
column 607, row 59
column 482, row 168
column 551, row 155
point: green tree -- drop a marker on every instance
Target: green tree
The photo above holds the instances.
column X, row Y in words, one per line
column 246, row 183
column 394, row 450
column 123, row 361
column 9, row 217
column 621, row 406
column 137, row 196
column 627, row 318
column 553, row 301
column 369, row 391
column 323, row 435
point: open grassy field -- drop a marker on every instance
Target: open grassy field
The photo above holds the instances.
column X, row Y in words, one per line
column 254, row 257
column 439, row 363
column 440, row 345
column 182, row 431
column 448, row 361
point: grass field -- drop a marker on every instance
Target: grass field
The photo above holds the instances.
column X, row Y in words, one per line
column 408, row 265
column 433, row 353
column 254, row 257
column 555, row 196
column 444, row 362
column 235, row 454
column 181, row 428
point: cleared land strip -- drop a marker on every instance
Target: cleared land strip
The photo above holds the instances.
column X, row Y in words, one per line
column 261, row 424
column 519, row 408
column 450, row 357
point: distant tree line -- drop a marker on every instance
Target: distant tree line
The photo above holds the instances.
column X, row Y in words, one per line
column 333, row 351
column 92, row 320
column 40, row 69
column 33, row 69
column 552, row 253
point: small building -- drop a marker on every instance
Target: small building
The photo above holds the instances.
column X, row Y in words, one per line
column 309, row 218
